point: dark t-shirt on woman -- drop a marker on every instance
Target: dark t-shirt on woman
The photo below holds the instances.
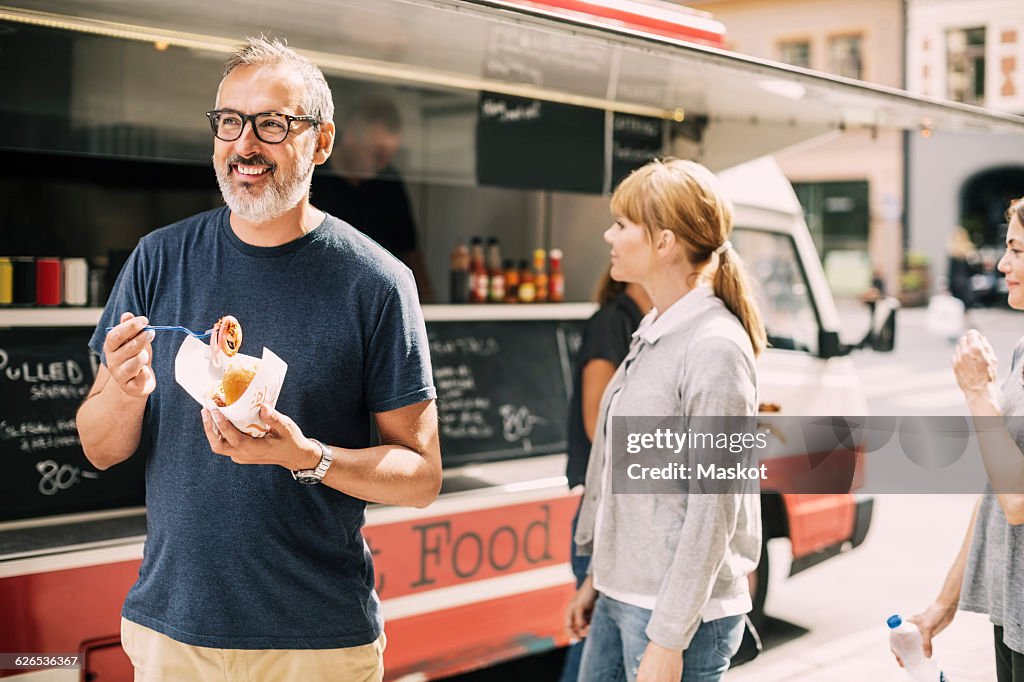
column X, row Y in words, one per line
column 606, row 336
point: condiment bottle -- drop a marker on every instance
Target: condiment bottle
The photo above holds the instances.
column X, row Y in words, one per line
column 556, row 278
column 458, row 276
column 527, row 288
column 540, row 275
column 495, row 273
column 511, row 281
column 478, row 280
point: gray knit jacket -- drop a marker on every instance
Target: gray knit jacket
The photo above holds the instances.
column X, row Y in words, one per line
column 685, row 548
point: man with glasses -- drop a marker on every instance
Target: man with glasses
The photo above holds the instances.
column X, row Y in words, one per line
column 255, row 567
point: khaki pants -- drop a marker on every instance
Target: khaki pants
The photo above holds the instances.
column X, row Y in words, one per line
column 158, row 658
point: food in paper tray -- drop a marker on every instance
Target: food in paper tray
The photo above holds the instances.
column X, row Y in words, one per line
column 219, row 376
column 232, row 385
column 225, row 339
column 225, row 342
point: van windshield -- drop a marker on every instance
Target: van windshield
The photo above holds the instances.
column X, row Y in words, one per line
column 780, row 288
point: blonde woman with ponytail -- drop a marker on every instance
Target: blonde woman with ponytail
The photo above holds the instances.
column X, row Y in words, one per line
column 668, row 586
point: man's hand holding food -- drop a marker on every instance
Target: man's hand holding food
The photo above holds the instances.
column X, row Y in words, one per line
column 283, row 445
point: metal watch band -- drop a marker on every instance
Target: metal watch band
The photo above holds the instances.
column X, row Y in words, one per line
column 314, row 476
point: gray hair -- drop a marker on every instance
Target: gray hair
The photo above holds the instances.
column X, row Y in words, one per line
column 263, row 51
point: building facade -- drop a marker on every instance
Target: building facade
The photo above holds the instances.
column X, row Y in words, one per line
column 851, row 185
column 972, row 52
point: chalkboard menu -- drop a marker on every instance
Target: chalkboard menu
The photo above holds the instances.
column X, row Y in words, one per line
column 502, row 387
column 533, row 144
column 502, row 393
column 44, row 376
column 635, row 141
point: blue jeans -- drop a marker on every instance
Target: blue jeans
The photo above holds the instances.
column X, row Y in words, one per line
column 580, row 564
column 617, row 641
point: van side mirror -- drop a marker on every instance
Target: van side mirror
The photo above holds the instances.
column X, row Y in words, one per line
column 883, row 327
column 829, row 345
column 881, row 336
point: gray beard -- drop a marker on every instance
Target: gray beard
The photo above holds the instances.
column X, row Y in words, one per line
column 263, row 204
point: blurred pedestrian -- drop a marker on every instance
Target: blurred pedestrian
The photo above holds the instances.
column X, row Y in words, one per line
column 987, row 575
column 677, row 612
column 606, row 340
column 870, row 298
column 876, row 291
column 962, row 261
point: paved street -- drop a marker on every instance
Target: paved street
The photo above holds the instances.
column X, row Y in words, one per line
column 828, row 624
column 916, row 378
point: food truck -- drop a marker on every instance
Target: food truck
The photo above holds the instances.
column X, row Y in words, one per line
column 518, row 119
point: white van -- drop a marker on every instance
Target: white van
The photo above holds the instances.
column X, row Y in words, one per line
column 804, row 371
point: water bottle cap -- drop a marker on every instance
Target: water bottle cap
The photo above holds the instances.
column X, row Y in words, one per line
column 894, row 622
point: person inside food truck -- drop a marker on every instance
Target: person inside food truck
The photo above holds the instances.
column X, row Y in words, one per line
column 254, row 557
column 366, row 190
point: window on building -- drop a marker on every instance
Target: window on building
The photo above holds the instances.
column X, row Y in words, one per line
column 844, row 56
column 965, row 65
column 796, row 52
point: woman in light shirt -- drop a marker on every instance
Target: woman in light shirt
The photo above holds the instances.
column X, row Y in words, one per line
column 668, row 586
column 987, row 575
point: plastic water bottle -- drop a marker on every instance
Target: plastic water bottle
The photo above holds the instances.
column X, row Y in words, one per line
column 905, row 639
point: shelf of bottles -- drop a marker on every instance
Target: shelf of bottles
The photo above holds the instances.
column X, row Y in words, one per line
column 69, row 292
column 479, row 274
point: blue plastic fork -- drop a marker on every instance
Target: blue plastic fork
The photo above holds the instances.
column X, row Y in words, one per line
column 186, row 330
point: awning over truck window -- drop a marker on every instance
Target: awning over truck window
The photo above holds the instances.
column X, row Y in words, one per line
column 735, row 107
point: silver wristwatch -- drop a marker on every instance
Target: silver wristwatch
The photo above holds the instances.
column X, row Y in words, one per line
column 314, row 476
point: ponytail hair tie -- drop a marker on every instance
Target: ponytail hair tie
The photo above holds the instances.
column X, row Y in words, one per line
column 726, row 246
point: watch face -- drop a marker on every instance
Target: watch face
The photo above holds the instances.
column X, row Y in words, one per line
column 308, row 479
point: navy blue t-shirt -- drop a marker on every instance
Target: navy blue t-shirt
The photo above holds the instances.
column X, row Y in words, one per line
column 242, row 556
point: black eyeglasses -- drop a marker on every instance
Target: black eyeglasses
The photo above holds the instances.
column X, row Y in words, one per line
column 270, row 126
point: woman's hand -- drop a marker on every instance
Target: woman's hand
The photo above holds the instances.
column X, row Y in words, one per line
column 974, row 363
column 931, row 622
column 581, row 607
column 659, row 664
